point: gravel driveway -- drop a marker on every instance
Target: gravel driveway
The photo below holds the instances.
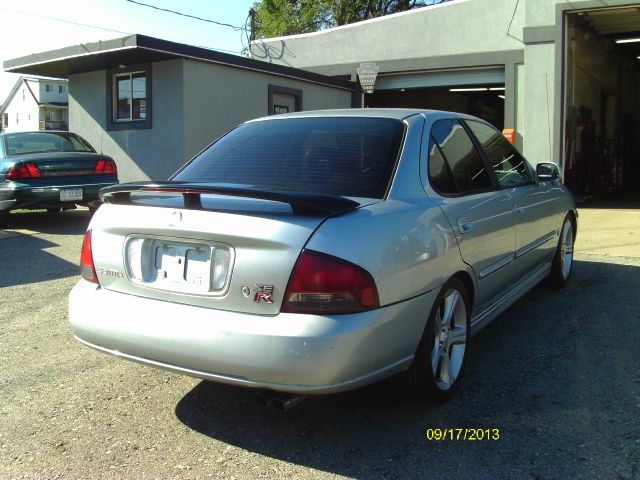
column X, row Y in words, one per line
column 557, row 374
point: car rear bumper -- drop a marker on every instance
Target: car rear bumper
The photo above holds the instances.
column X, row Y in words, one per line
column 305, row 354
column 47, row 194
column 7, row 204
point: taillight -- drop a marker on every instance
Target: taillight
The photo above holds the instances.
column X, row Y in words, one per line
column 23, row 171
column 105, row 166
column 87, row 269
column 324, row 284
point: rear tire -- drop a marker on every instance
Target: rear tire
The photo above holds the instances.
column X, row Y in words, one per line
column 562, row 264
column 441, row 357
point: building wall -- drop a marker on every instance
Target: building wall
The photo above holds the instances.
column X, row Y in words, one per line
column 218, row 98
column 460, row 34
column 54, row 95
column 411, row 38
column 147, row 154
column 192, row 104
column 22, row 111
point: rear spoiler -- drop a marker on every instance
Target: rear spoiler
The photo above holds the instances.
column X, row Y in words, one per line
column 301, row 203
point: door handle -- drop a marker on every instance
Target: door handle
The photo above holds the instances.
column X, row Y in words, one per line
column 465, row 226
column 518, row 210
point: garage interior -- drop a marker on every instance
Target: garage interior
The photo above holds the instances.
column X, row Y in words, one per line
column 484, row 101
column 477, row 91
column 601, row 141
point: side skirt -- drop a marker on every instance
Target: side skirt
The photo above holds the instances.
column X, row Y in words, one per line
column 482, row 319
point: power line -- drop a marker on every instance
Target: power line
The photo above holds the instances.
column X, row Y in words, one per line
column 63, row 21
column 102, row 28
column 222, row 24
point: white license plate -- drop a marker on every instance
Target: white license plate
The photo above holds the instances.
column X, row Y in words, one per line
column 68, row 194
column 184, row 267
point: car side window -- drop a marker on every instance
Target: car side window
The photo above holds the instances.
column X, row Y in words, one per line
column 463, row 160
column 509, row 166
column 439, row 172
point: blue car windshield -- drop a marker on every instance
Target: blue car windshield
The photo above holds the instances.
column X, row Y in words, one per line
column 44, row 142
column 347, row 156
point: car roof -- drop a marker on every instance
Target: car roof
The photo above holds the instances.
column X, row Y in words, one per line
column 392, row 113
column 66, row 132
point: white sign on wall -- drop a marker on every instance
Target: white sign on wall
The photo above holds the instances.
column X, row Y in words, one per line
column 367, row 73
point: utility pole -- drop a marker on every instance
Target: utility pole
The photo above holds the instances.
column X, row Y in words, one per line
column 253, row 14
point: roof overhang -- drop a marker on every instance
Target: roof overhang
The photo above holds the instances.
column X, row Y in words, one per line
column 139, row 49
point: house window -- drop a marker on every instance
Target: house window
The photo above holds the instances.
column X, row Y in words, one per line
column 60, row 88
column 47, row 87
column 23, row 94
column 129, row 98
column 17, row 117
column 130, row 95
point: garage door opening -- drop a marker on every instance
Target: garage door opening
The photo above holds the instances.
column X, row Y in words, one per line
column 484, row 101
column 601, row 145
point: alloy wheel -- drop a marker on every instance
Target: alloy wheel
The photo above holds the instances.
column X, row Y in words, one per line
column 566, row 248
column 450, row 338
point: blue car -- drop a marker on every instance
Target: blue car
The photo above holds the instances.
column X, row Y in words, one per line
column 52, row 170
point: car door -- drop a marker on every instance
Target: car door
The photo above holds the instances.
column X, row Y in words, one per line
column 533, row 203
column 480, row 214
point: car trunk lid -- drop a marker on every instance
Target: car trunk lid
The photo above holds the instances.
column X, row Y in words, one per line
column 222, row 247
column 63, row 164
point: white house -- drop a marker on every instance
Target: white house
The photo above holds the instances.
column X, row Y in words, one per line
column 36, row 104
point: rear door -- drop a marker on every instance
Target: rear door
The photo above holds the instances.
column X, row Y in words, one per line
column 533, row 203
column 481, row 216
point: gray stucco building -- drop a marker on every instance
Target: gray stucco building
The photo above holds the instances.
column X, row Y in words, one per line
column 151, row 104
column 553, row 70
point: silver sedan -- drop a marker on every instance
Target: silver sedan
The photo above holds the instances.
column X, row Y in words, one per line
column 317, row 252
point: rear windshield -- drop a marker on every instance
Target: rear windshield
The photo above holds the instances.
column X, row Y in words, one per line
column 44, row 142
column 340, row 156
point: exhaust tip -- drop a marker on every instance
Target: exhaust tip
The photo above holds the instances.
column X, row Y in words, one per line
column 280, row 401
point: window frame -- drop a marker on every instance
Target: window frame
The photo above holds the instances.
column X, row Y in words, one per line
column 485, row 159
column 385, row 181
column 128, row 124
column 273, row 90
column 427, row 136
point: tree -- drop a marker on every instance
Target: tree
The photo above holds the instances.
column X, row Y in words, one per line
column 276, row 18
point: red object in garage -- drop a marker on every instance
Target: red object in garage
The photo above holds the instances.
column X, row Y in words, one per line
column 510, row 134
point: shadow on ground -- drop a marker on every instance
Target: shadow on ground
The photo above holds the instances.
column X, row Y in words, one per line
column 553, row 374
column 25, row 258
column 69, row 222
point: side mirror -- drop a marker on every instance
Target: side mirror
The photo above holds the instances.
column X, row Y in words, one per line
column 547, row 172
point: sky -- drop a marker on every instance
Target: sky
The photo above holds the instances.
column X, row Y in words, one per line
column 34, row 26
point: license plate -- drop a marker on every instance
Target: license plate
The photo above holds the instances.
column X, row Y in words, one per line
column 184, row 267
column 179, row 264
column 68, row 194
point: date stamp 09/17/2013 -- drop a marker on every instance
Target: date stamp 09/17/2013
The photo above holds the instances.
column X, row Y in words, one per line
column 465, row 434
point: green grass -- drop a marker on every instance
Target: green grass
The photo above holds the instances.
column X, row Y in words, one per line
column 26, row 210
